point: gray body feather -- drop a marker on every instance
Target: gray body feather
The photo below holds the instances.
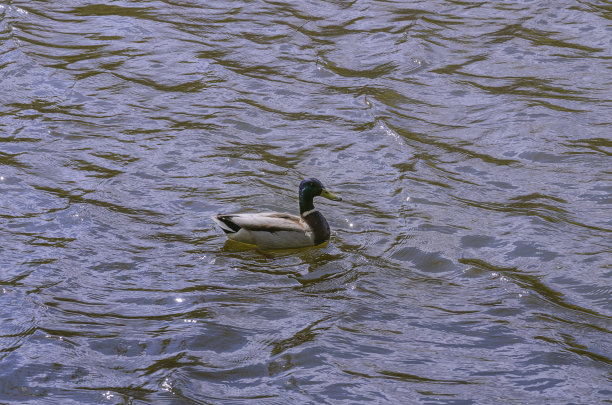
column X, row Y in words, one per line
column 272, row 230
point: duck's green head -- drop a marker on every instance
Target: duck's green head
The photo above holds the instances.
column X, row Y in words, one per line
column 311, row 188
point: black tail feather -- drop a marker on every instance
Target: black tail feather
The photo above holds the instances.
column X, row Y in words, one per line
column 227, row 220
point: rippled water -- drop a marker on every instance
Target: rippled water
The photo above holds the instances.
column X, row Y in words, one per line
column 470, row 258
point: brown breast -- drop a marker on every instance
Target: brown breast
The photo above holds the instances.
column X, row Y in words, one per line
column 318, row 225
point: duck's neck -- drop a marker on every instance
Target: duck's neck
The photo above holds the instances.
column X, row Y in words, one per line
column 306, row 204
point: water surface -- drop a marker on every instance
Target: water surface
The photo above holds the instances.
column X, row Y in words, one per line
column 469, row 261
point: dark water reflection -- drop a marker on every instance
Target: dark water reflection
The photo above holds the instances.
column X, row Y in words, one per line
column 470, row 258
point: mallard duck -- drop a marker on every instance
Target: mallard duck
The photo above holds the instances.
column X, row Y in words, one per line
column 273, row 230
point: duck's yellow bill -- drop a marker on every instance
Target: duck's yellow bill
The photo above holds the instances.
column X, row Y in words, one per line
column 330, row 196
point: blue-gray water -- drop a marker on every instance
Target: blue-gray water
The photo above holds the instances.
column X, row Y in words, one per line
column 470, row 261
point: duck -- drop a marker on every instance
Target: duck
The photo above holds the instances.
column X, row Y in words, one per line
column 275, row 230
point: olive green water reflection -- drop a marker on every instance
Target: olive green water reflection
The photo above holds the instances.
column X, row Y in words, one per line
column 469, row 261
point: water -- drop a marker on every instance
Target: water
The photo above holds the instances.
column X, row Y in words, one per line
column 469, row 261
